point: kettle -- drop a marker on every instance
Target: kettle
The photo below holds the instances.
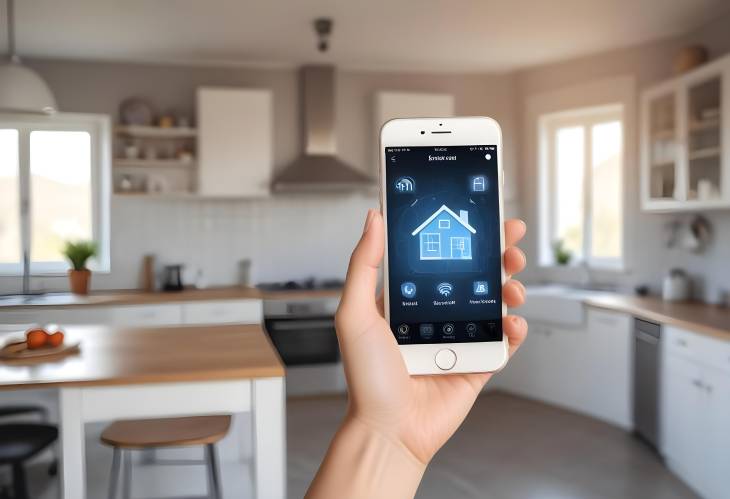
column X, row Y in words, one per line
column 676, row 286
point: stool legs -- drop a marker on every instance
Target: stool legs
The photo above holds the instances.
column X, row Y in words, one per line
column 122, row 465
column 114, row 478
column 19, row 485
column 214, row 486
column 127, row 474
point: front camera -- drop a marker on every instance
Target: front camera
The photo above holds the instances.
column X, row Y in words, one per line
column 422, row 132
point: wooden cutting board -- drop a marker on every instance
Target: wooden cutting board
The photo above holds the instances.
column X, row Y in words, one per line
column 18, row 350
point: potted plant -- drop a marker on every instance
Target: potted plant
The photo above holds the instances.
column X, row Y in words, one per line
column 561, row 254
column 78, row 253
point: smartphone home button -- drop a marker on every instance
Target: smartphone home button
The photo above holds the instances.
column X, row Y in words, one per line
column 445, row 359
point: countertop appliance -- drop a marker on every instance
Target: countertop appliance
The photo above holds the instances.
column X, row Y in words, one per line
column 676, row 286
column 647, row 344
column 301, row 326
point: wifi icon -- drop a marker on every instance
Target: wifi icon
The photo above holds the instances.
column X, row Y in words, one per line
column 445, row 289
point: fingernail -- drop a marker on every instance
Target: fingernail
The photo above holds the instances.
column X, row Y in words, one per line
column 518, row 321
column 369, row 219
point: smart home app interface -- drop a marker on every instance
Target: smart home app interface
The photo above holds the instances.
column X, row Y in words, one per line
column 444, row 255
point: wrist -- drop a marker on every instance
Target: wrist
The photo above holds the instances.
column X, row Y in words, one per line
column 363, row 462
column 388, row 441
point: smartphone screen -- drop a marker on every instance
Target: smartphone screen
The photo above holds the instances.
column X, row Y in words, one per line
column 444, row 253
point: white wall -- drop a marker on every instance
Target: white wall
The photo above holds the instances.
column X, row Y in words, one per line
column 286, row 237
column 647, row 258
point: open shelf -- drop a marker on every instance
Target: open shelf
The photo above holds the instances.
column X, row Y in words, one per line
column 156, row 132
column 707, row 152
column 153, row 163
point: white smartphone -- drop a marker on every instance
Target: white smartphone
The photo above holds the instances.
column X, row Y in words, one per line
column 441, row 197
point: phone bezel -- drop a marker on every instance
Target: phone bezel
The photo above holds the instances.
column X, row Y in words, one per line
column 464, row 131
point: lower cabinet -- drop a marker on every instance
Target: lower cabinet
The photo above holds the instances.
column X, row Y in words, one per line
column 223, row 312
column 586, row 369
column 164, row 314
column 696, row 411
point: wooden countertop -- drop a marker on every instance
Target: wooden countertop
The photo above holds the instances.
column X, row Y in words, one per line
column 112, row 356
column 137, row 297
column 699, row 317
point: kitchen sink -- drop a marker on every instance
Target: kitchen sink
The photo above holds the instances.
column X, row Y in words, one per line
column 556, row 304
column 39, row 299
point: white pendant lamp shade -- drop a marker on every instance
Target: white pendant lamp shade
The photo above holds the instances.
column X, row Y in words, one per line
column 23, row 90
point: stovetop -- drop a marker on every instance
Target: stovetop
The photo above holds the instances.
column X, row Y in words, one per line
column 306, row 284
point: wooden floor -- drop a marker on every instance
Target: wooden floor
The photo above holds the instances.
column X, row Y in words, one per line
column 509, row 447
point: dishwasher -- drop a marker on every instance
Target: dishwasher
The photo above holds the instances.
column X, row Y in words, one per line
column 647, row 343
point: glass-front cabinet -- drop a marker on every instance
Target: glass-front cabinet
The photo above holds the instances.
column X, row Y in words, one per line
column 685, row 141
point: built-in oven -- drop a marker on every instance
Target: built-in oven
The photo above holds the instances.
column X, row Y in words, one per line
column 304, row 341
column 301, row 325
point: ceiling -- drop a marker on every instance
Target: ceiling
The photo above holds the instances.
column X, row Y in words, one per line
column 456, row 35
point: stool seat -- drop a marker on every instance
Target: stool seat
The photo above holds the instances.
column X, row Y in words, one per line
column 166, row 432
column 19, row 441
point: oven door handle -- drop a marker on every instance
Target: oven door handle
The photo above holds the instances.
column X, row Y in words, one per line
column 301, row 324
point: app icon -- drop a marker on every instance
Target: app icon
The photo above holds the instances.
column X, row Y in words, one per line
column 481, row 288
column 426, row 331
column 445, row 289
column 448, row 328
column 408, row 290
column 471, row 329
column 445, row 235
column 403, row 329
column 478, row 183
column 405, row 184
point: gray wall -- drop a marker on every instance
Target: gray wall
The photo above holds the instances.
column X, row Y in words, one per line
column 285, row 236
column 647, row 258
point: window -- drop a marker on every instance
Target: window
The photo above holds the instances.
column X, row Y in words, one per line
column 54, row 187
column 433, row 242
column 444, row 224
column 581, row 193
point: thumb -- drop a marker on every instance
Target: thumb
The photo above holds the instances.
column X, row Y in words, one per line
column 358, row 306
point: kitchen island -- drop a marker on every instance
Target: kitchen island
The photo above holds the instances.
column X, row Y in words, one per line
column 124, row 373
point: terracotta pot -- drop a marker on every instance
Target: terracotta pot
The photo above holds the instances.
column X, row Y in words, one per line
column 79, row 280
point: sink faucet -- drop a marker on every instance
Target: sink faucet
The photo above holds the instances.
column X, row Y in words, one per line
column 26, row 271
column 587, row 280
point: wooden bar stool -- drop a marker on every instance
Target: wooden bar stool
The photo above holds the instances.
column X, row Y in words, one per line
column 125, row 436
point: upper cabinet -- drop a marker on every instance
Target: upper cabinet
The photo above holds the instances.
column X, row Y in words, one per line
column 234, row 142
column 685, row 141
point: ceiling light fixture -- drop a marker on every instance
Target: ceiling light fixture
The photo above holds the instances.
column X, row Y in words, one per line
column 323, row 28
column 21, row 89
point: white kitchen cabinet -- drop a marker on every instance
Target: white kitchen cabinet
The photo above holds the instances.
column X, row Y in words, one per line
column 168, row 314
column 694, row 412
column 223, row 312
column 685, row 141
column 235, row 142
column 608, row 366
column 585, row 368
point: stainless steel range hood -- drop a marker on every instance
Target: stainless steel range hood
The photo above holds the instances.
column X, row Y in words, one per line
column 319, row 168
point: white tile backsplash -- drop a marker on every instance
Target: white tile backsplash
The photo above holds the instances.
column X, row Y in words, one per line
column 285, row 237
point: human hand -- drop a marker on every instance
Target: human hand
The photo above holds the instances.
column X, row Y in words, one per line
column 419, row 413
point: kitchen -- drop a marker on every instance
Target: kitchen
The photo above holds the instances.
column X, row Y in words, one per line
column 258, row 222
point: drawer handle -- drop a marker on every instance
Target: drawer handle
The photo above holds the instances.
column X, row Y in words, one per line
column 698, row 383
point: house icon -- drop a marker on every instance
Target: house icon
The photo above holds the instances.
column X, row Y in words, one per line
column 445, row 235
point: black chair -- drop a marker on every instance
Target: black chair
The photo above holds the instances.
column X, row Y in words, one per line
column 20, row 442
column 42, row 412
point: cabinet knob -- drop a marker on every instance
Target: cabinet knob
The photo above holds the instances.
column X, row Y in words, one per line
column 698, row 383
column 682, row 343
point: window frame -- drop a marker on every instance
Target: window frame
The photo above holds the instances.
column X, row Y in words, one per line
column 99, row 128
column 586, row 118
column 446, row 224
